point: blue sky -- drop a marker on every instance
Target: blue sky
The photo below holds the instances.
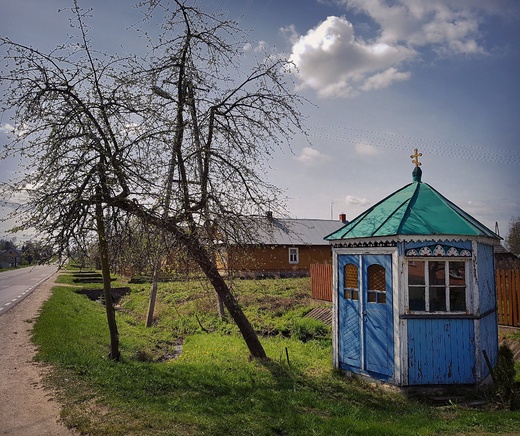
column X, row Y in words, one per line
column 383, row 77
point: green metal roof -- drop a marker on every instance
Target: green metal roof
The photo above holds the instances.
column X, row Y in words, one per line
column 415, row 209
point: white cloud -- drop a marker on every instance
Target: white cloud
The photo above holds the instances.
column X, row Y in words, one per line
column 6, row 128
column 290, row 33
column 336, row 63
column 449, row 26
column 9, row 129
column 356, row 201
column 312, row 157
column 364, row 148
column 261, row 46
column 384, row 79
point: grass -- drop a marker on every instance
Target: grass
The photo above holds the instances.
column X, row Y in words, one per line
column 212, row 388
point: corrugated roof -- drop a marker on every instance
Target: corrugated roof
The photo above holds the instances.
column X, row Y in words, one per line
column 415, row 209
column 291, row 231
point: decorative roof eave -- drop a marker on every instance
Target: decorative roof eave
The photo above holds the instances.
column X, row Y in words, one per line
column 395, row 239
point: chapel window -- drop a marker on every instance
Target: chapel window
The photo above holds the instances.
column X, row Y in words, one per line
column 376, row 284
column 437, row 286
column 351, row 282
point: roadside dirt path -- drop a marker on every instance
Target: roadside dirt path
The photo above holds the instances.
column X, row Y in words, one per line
column 26, row 407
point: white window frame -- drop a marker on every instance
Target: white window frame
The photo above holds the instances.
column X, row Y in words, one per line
column 467, row 265
column 294, row 256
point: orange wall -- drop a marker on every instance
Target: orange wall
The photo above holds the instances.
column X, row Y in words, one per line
column 275, row 258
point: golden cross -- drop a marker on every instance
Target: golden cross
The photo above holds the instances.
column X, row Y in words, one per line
column 415, row 158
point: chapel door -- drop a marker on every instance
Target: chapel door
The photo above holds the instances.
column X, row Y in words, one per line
column 349, row 311
column 365, row 314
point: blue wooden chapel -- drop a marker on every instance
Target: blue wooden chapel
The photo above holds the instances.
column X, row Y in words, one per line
column 414, row 298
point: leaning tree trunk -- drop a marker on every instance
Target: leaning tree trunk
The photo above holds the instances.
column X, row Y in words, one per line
column 208, row 266
column 105, row 270
column 220, row 301
column 210, row 270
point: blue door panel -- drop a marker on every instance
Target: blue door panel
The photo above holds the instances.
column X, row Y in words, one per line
column 378, row 351
column 378, row 322
column 366, row 340
column 350, row 344
column 349, row 319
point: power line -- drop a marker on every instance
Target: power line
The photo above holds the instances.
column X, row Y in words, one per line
column 260, row 15
column 403, row 142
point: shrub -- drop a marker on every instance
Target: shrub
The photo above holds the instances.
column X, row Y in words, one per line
column 306, row 329
column 505, row 372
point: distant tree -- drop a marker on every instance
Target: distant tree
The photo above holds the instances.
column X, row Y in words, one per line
column 33, row 251
column 513, row 236
column 5, row 244
column 176, row 138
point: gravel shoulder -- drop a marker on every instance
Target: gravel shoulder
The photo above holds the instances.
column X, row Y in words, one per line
column 26, row 406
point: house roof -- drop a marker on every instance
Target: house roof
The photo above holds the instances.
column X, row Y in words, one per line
column 291, row 231
column 415, row 209
column 9, row 251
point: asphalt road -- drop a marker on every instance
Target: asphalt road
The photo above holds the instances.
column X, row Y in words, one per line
column 16, row 284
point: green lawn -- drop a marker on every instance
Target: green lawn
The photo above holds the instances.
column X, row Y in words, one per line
column 212, row 388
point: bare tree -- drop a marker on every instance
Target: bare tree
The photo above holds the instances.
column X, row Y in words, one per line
column 177, row 138
column 65, row 137
column 513, row 235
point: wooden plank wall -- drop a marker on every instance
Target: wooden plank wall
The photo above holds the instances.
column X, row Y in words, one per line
column 508, row 295
column 441, row 351
column 321, row 281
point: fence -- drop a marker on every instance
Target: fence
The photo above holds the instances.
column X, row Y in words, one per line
column 321, row 281
column 508, row 295
column 507, row 283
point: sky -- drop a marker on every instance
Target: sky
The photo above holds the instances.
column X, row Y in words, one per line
column 382, row 77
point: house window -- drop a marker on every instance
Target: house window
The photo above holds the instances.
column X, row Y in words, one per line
column 376, row 284
column 293, row 255
column 351, row 282
column 436, row 286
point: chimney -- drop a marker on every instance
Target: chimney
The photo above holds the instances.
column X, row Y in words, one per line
column 343, row 217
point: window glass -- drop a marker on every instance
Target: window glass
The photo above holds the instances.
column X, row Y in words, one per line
column 351, row 294
column 376, row 284
column 437, row 299
column 457, row 274
column 293, row 255
column 417, row 300
column 458, row 299
column 436, row 273
column 376, row 278
column 351, row 282
column 437, row 285
column 416, row 273
column 351, row 276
